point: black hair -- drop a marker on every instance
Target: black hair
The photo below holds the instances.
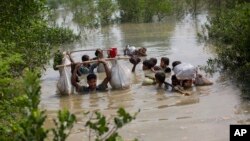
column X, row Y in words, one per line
column 154, row 60
column 91, row 76
column 148, row 63
column 175, row 63
column 165, row 60
column 143, row 48
column 85, row 58
column 160, row 76
column 97, row 52
column 167, row 70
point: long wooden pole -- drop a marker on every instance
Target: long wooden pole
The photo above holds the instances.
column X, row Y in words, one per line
column 182, row 92
column 89, row 50
column 92, row 61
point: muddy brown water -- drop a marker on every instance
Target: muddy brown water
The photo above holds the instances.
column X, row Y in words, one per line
column 164, row 115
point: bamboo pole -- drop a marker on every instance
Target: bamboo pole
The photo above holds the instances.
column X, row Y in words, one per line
column 88, row 50
column 93, row 61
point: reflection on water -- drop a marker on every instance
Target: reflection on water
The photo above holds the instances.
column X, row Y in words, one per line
column 164, row 114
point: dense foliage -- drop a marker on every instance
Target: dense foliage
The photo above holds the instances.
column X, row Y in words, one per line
column 144, row 10
column 88, row 13
column 230, row 29
column 26, row 42
column 105, row 130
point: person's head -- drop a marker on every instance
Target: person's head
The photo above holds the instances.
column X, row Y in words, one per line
column 164, row 62
column 85, row 58
column 142, row 51
column 99, row 53
column 91, row 80
column 167, row 70
column 147, row 65
column 187, row 83
column 160, row 77
column 175, row 63
column 154, row 60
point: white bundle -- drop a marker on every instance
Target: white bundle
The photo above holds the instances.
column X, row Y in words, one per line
column 185, row 71
column 130, row 50
column 120, row 76
column 64, row 83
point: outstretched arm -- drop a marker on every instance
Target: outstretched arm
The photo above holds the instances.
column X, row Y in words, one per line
column 107, row 71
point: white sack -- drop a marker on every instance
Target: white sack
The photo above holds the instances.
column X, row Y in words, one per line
column 64, row 83
column 120, row 76
column 129, row 50
column 185, row 71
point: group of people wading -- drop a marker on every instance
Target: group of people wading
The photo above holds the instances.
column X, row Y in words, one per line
column 184, row 76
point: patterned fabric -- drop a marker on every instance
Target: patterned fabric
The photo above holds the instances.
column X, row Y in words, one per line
column 84, row 70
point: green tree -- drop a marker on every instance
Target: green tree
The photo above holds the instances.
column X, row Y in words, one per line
column 84, row 12
column 106, row 9
column 26, row 41
column 24, row 30
column 104, row 129
column 144, row 10
column 132, row 10
column 160, row 8
column 231, row 31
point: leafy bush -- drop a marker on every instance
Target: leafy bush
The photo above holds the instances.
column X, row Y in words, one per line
column 25, row 42
column 231, row 32
column 106, row 131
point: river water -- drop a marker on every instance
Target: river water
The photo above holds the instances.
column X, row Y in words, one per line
column 164, row 115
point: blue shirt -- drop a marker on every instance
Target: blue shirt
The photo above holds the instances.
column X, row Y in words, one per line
column 87, row 70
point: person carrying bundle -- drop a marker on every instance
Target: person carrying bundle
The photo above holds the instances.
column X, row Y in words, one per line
column 99, row 55
column 84, row 68
column 92, row 80
column 131, row 50
column 160, row 80
column 185, row 75
column 147, row 67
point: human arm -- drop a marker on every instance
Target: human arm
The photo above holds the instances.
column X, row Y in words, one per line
column 74, row 78
column 107, row 71
column 70, row 58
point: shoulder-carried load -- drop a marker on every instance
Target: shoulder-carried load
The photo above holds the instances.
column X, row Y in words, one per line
column 120, row 76
column 64, row 83
column 185, row 71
